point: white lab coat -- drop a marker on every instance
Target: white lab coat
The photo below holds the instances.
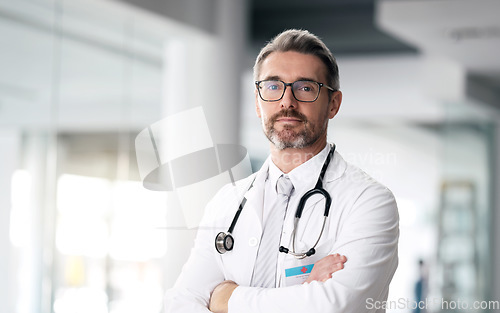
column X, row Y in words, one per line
column 363, row 225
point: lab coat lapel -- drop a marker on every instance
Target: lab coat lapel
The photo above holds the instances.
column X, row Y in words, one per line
column 255, row 196
column 253, row 222
column 335, row 170
column 314, row 208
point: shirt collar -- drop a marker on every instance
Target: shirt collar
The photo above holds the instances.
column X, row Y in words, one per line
column 304, row 176
column 273, row 174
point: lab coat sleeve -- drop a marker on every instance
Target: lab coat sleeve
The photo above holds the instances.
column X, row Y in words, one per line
column 368, row 235
column 201, row 273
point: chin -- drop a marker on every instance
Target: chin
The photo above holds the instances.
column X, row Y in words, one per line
column 281, row 144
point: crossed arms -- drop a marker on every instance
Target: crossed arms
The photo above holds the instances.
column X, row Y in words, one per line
column 322, row 271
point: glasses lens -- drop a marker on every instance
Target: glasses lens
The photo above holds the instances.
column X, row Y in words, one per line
column 271, row 90
column 305, row 90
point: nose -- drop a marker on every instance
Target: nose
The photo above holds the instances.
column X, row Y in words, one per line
column 288, row 100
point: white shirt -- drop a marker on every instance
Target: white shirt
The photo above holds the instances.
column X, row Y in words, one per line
column 301, row 177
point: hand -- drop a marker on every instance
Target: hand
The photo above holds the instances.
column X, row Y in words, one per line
column 324, row 268
column 219, row 298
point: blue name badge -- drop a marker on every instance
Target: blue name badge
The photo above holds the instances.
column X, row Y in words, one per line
column 296, row 271
column 299, row 270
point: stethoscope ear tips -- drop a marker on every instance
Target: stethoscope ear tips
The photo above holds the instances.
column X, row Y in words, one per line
column 224, row 242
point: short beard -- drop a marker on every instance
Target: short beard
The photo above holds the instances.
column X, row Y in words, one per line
column 287, row 138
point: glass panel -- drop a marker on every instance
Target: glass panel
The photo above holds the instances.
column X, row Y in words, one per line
column 463, row 264
column 78, row 80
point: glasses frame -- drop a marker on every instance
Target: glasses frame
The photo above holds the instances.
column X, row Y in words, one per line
column 257, row 83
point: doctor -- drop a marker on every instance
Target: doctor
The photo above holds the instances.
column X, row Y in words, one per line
column 355, row 246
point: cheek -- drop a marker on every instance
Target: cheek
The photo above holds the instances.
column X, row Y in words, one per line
column 261, row 109
column 311, row 115
column 264, row 113
column 258, row 108
column 316, row 117
column 264, row 118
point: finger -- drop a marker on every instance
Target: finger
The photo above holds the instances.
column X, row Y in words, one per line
column 339, row 259
column 338, row 256
column 336, row 264
column 335, row 267
column 326, row 278
column 333, row 258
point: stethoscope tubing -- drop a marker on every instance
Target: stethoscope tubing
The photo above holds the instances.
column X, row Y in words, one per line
column 222, row 239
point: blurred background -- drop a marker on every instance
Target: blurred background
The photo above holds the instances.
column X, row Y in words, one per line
column 79, row 79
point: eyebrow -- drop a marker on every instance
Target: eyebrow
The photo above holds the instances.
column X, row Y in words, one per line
column 272, row 78
column 279, row 78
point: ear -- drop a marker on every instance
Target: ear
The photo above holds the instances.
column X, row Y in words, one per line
column 257, row 106
column 334, row 104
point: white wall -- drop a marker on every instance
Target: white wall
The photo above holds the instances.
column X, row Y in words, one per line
column 209, row 64
column 102, row 66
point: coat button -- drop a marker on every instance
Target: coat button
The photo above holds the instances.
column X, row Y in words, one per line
column 252, row 242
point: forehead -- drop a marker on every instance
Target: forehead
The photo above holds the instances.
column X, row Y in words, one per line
column 291, row 65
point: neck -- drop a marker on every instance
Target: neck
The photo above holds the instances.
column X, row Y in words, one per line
column 288, row 159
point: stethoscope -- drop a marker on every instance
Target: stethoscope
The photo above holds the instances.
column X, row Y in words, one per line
column 225, row 242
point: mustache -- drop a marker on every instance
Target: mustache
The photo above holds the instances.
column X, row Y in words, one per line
column 288, row 113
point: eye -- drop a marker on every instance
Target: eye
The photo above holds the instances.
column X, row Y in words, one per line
column 306, row 86
column 272, row 85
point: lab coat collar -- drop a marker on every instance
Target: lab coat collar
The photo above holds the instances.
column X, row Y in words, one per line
column 307, row 174
column 336, row 169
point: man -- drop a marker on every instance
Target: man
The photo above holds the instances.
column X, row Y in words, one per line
column 354, row 253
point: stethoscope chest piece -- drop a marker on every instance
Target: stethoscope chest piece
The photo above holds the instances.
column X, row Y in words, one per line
column 224, row 242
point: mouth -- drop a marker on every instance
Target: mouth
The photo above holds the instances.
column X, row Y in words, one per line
column 289, row 120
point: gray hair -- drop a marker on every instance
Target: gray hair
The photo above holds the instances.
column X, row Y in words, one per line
column 304, row 42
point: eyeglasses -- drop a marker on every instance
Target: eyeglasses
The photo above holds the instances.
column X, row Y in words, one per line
column 302, row 90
